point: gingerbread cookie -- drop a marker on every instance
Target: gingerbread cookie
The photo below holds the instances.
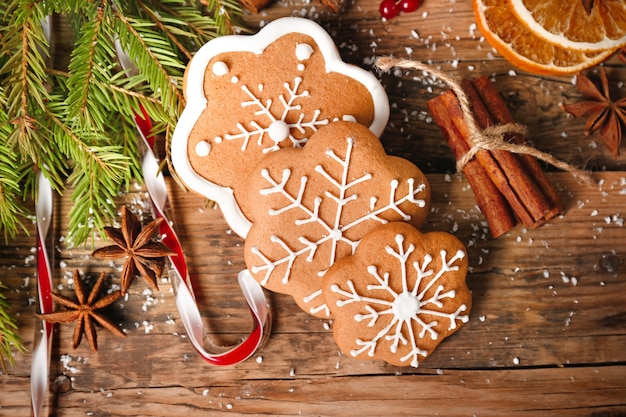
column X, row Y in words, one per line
column 314, row 204
column 399, row 295
column 248, row 96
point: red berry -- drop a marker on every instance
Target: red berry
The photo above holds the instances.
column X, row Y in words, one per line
column 408, row 6
column 388, row 9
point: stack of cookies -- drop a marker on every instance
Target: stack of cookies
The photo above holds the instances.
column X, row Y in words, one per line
column 284, row 136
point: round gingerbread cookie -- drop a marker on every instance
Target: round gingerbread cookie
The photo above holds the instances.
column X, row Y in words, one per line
column 247, row 96
column 314, row 204
column 399, row 295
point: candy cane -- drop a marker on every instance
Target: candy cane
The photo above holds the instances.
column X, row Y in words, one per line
column 185, row 300
column 40, row 362
column 41, row 355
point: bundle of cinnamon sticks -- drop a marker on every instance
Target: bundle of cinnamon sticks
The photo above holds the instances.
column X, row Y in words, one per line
column 509, row 188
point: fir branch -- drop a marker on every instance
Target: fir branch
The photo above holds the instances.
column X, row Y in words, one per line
column 223, row 12
column 10, row 340
column 159, row 65
column 11, row 210
column 77, row 125
column 11, row 173
column 90, row 62
column 188, row 22
column 166, row 25
column 97, row 177
column 24, row 80
column 94, row 192
column 24, row 70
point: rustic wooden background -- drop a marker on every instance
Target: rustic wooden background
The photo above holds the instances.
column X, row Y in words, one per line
column 547, row 333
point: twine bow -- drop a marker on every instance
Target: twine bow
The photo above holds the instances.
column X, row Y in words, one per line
column 490, row 138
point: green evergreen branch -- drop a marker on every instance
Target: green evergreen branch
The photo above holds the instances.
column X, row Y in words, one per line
column 155, row 60
column 167, row 26
column 24, row 77
column 90, row 60
column 11, row 173
column 97, row 176
column 224, row 12
column 95, row 183
column 25, row 73
column 9, row 338
column 77, row 124
column 11, row 210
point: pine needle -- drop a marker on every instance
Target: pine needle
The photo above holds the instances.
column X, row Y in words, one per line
column 76, row 124
column 10, row 341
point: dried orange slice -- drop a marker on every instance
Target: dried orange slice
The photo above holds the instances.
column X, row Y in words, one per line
column 583, row 25
column 513, row 40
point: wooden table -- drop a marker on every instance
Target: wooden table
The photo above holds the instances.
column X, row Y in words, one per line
column 547, row 333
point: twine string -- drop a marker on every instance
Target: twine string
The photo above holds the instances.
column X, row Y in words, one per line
column 490, row 138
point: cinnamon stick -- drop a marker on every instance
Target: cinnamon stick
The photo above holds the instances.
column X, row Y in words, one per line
column 495, row 209
column 336, row 6
column 255, row 6
column 506, row 170
column 508, row 187
column 502, row 115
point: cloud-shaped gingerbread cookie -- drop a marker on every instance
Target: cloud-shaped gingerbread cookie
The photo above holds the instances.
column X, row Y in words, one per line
column 399, row 295
column 312, row 206
column 247, row 96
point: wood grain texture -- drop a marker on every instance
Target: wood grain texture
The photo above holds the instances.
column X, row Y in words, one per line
column 547, row 331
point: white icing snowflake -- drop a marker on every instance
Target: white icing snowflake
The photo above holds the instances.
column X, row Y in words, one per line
column 277, row 128
column 408, row 306
column 247, row 96
column 331, row 230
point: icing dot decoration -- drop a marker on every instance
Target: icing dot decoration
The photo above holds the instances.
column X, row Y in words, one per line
column 203, row 148
column 278, row 131
column 405, row 306
column 303, row 51
column 220, row 68
column 400, row 299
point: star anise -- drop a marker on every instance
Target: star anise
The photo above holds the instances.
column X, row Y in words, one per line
column 603, row 113
column 83, row 312
column 144, row 255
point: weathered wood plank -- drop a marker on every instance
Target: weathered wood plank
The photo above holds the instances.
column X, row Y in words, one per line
column 543, row 298
column 597, row 391
column 444, row 34
column 547, row 329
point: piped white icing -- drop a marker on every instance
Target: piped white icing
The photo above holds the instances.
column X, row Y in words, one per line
column 277, row 128
column 303, row 51
column 278, row 131
column 332, row 230
column 196, row 101
column 220, row 68
column 203, row 148
column 409, row 305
